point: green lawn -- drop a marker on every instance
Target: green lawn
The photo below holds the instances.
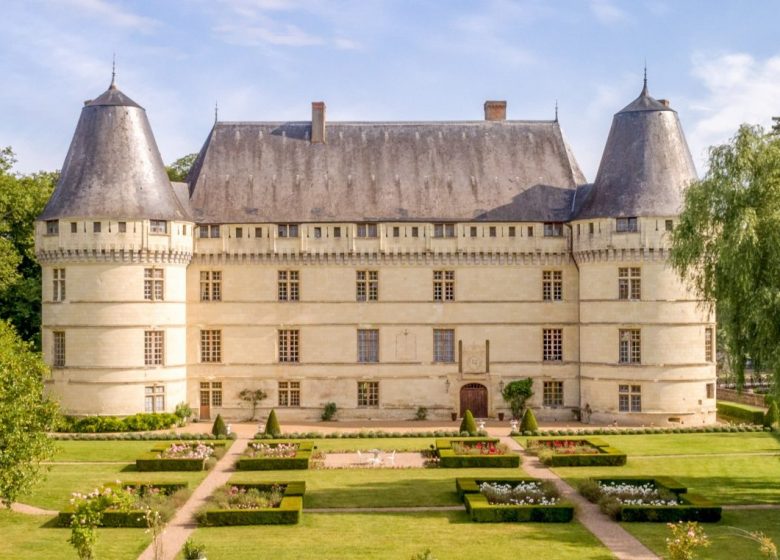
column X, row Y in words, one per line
column 69, row 450
column 725, row 544
column 384, row 536
column 339, row 488
column 690, row 444
column 385, row 444
column 27, row 537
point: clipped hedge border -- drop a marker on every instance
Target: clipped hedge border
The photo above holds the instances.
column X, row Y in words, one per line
column 365, row 435
column 289, row 511
column 693, row 507
column 449, row 460
column 481, row 511
column 642, row 431
column 299, row 462
column 151, row 461
column 741, row 412
column 607, row 455
column 139, row 436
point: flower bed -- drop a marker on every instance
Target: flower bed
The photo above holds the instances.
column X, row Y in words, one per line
column 576, row 452
column 182, row 456
column 267, row 455
column 139, row 496
column 455, row 453
column 238, row 503
column 649, row 499
column 492, row 500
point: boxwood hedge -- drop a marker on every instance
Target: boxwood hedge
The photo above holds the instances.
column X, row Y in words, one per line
column 152, row 461
column 448, row 459
column 299, row 462
column 605, row 456
column 741, row 412
column 288, row 513
column 481, row 511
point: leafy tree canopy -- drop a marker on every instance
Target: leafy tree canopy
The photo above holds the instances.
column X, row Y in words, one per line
column 516, row 393
column 26, row 415
column 178, row 170
column 22, row 198
column 727, row 246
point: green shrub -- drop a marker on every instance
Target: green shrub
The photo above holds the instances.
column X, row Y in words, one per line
column 741, row 412
column 194, row 551
column 468, row 424
column 103, row 424
column 528, row 423
column 772, row 416
column 299, row 462
column 329, row 412
column 219, row 428
column 288, row 512
column 272, row 427
column 482, row 512
column 421, row 414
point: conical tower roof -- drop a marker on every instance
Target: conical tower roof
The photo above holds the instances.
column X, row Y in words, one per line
column 113, row 168
column 645, row 166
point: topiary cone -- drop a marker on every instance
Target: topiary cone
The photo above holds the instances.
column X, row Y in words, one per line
column 219, row 428
column 528, row 423
column 468, row 424
column 772, row 416
column 272, row 427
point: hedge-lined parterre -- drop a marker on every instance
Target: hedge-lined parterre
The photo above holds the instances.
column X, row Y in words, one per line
column 182, row 456
column 276, row 454
column 516, row 499
column 474, row 452
column 244, row 503
column 576, row 452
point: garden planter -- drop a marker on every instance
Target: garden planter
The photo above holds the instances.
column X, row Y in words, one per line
column 500, row 416
column 454, row 416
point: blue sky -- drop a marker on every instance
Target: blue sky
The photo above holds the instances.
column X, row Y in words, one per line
column 718, row 62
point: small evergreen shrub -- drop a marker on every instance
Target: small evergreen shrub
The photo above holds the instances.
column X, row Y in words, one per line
column 468, row 424
column 329, row 412
column 272, row 427
column 772, row 416
column 219, row 428
column 528, row 423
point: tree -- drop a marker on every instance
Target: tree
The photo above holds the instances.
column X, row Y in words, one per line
column 516, row 393
column 468, row 424
column 253, row 397
column 179, row 169
column 22, row 198
column 272, row 427
column 727, row 247
column 219, row 429
column 26, row 415
column 528, row 423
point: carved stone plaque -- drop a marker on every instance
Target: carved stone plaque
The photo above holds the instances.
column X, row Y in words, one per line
column 474, row 358
column 406, row 347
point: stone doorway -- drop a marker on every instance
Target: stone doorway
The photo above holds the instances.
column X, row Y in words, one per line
column 474, row 397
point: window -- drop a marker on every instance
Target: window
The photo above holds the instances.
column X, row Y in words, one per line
column 58, row 351
column 158, row 226
column 629, row 283
column 337, row 231
column 289, row 393
column 74, row 227
column 154, row 398
column 368, row 393
column 52, row 227
column 443, row 285
column 708, row 339
column 552, row 285
column 215, row 231
column 710, row 390
column 630, row 346
column 626, row 225
column 553, row 229
column 368, row 345
column 552, row 345
column 209, row 231
column 154, row 342
column 366, row 230
column 288, row 285
column 183, row 229
column 216, row 393
column 444, row 230
column 288, row 346
column 492, row 231
column 669, row 225
column 154, row 284
column 318, row 233
column 444, row 345
column 396, row 231
column 239, row 233
column 210, row 285
column 630, row 398
column 288, row 230
column 367, row 285
column 530, row 231
column 122, row 227
column 58, row 281
column 512, row 231
column 203, row 231
column 415, row 231
column 473, row 231
column 590, row 228
column 210, row 346
column 96, row 227
column 552, row 393
column 258, row 232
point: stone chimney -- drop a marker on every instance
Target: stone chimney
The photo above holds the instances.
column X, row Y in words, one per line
column 664, row 102
column 495, row 110
column 318, row 122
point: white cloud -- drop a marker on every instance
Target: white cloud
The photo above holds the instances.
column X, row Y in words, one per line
column 112, row 14
column 607, row 13
column 739, row 89
column 256, row 34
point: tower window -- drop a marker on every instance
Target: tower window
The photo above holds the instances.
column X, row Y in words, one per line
column 627, row 225
column 512, row 231
column 239, row 233
column 52, row 227
column 154, row 343
column 553, row 229
column 630, row 398
column 396, row 231
column 288, row 285
column 337, row 231
column 58, row 281
column 154, row 284
column 367, row 284
column 58, row 349
column 154, row 398
column 443, row 285
column 630, row 346
column 473, row 231
column 367, row 230
column 74, row 227
column 210, row 285
column 552, row 285
column 629, row 283
column 708, row 344
column 492, row 231
column 158, row 226
column 287, row 230
column 96, row 226
column 121, row 227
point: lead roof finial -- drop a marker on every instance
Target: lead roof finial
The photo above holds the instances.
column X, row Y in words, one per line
column 556, row 110
column 113, row 73
column 216, row 112
column 644, row 85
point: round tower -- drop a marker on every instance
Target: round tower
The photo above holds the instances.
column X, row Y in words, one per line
column 114, row 242
column 647, row 346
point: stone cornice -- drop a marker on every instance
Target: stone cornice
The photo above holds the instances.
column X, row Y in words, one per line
column 610, row 255
column 142, row 256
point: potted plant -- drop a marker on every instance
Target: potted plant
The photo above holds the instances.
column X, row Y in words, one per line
column 194, row 551
column 454, row 416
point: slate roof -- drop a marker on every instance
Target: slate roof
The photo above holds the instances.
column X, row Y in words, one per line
column 483, row 170
column 113, row 168
column 645, row 167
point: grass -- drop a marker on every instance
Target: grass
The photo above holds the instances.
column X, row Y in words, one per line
column 27, row 537
column 362, row 488
column 725, row 544
column 94, row 451
column 330, row 445
column 449, row 535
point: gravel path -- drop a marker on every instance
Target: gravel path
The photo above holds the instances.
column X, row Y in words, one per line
column 31, row 510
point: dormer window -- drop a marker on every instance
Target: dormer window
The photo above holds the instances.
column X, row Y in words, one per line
column 627, row 225
column 367, row 230
column 96, row 226
column 553, row 229
column 288, row 230
column 444, row 230
column 52, row 227
column 158, row 226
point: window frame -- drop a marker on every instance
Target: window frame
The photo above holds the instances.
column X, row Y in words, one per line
column 444, row 346
column 552, row 345
column 154, row 347
column 288, row 286
column 58, row 349
column 153, row 394
column 210, row 346
column 58, row 285
column 289, row 346
column 158, row 227
column 366, row 285
column 552, row 393
column 553, row 229
column 368, row 394
column 630, row 346
column 443, row 285
column 629, row 283
column 368, row 346
column 552, row 285
column 210, row 285
column 289, row 393
column 629, row 397
column 628, row 224
column 154, row 284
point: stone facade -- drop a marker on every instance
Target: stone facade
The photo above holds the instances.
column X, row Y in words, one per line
column 379, row 316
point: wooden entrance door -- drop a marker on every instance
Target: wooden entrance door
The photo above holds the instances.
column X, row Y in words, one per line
column 474, row 397
column 205, row 409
